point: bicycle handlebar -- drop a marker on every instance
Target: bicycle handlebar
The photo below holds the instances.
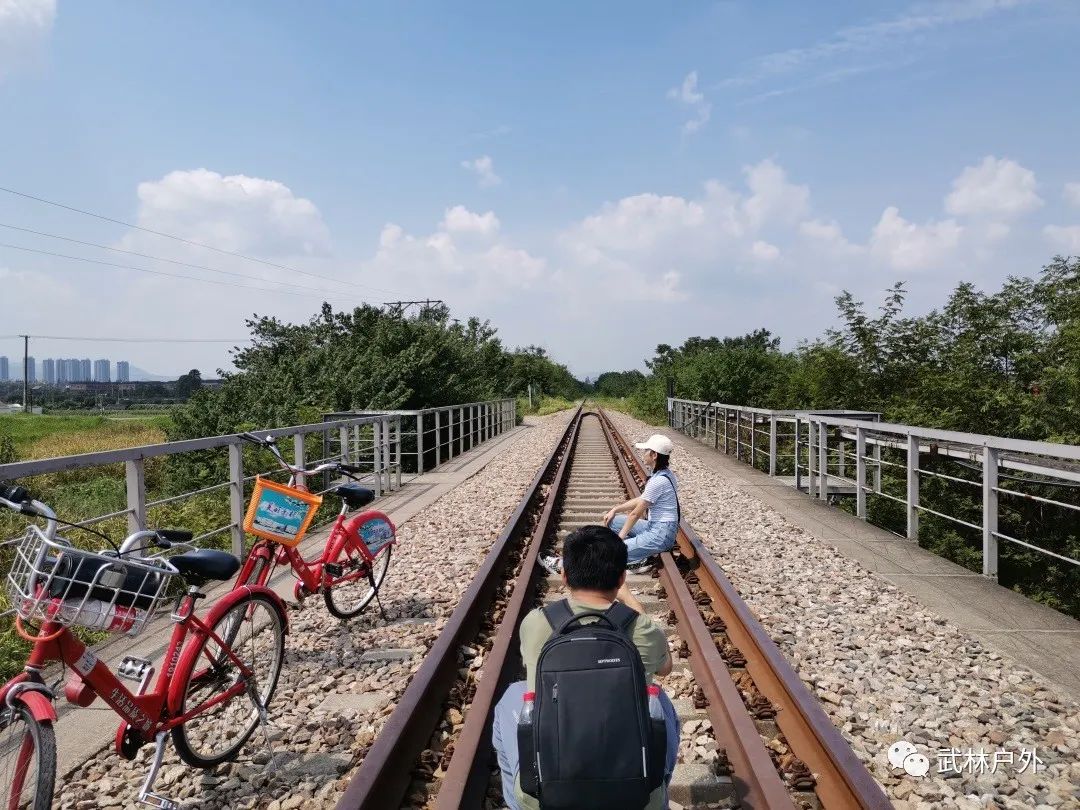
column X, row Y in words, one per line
column 271, row 444
column 18, row 499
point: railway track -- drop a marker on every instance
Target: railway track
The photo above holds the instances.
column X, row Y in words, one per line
column 752, row 735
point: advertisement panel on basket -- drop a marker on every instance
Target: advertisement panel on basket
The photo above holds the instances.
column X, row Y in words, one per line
column 280, row 513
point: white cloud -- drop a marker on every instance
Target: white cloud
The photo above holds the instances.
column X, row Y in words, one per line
column 995, row 188
column 773, row 197
column 484, row 168
column 640, row 222
column 235, row 213
column 24, row 27
column 901, row 36
column 1066, row 237
column 764, row 252
column 460, row 219
column 463, row 261
column 1071, row 193
column 829, row 236
column 907, row 246
column 689, row 95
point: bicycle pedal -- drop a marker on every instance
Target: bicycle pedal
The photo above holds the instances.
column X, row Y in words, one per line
column 154, row 800
column 334, row 569
column 133, row 668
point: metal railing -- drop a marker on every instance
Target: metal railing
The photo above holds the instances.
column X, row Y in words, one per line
column 432, row 436
column 377, row 442
column 134, row 461
column 832, row 454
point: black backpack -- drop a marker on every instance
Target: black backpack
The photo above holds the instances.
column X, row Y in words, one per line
column 591, row 743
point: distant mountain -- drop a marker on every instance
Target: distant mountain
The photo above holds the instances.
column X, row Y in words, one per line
column 141, row 375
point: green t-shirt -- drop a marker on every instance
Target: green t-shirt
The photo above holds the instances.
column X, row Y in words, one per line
column 648, row 638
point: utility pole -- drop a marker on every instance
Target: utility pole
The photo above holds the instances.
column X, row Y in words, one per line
column 26, row 374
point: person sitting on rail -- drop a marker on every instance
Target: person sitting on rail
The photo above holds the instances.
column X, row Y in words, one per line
column 658, row 504
column 595, row 573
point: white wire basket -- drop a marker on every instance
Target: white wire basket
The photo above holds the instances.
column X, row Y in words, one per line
column 51, row 581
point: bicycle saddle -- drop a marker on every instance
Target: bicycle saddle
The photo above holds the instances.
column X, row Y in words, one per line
column 354, row 495
column 206, row 563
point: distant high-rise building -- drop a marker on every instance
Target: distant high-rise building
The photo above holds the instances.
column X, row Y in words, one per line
column 71, row 370
column 48, row 371
column 123, row 371
column 101, row 371
column 86, row 370
column 31, row 369
column 5, row 373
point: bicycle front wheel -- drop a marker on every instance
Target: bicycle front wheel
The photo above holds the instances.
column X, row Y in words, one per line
column 354, row 591
column 256, row 626
column 27, row 760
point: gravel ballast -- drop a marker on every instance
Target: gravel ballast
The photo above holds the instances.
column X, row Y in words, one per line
column 884, row 667
column 340, row 681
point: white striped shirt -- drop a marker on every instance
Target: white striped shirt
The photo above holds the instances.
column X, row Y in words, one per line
column 660, row 494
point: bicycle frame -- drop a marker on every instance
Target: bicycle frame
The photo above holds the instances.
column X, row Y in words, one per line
column 312, row 573
column 150, row 713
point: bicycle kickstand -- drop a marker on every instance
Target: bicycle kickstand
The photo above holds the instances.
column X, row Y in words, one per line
column 147, row 795
column 264, row 724
column 378, row 601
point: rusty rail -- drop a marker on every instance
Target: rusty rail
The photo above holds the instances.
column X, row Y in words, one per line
column 383, row 778
column 756, row 780
column 466, row 780
column 842, row 779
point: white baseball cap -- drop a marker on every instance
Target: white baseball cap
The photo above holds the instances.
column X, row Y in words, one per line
column 658, row 443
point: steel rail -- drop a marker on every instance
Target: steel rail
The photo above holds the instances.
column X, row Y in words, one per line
column 383, row 779
column 842, row 779
column 754, row 776
column 466, row 780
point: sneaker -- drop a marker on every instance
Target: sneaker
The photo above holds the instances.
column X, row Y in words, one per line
column 643, row 567
column 551, row 564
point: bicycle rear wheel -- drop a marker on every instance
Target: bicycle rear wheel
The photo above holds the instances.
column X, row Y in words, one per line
column 27, row 760
column 257, row 627
column 349, row 597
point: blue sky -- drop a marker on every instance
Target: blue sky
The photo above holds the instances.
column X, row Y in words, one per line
column 596, row 178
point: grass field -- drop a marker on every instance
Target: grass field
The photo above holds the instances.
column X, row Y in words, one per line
column 47, row 436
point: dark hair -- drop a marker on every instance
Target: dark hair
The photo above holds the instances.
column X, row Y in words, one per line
column 594, row 558
column 661, row 462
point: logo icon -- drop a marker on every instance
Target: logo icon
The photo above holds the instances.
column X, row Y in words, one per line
column 903, row 754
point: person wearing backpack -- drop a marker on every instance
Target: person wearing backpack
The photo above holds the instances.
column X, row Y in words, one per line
column 594, row 740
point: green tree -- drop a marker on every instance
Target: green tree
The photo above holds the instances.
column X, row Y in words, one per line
column 188, row 384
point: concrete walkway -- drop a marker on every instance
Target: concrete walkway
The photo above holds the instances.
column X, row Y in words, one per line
column 82, row 732
column 1033, row 635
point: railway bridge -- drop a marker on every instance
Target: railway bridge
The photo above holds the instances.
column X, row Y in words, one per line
column 820, row 660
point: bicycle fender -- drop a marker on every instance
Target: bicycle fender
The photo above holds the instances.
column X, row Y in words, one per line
column 191, row 650
column 354, row 525
column 39, row 705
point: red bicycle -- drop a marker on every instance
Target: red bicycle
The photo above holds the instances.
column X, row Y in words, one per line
column 210, row 694
column 356, row 557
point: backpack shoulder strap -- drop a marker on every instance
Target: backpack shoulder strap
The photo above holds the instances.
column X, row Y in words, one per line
column 671, row 481
column 622, row 617
column 558, row 614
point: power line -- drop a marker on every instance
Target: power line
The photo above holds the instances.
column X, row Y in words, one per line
column 182, row 239
column 155, row 272
column 162, row 259
column 129, row 340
